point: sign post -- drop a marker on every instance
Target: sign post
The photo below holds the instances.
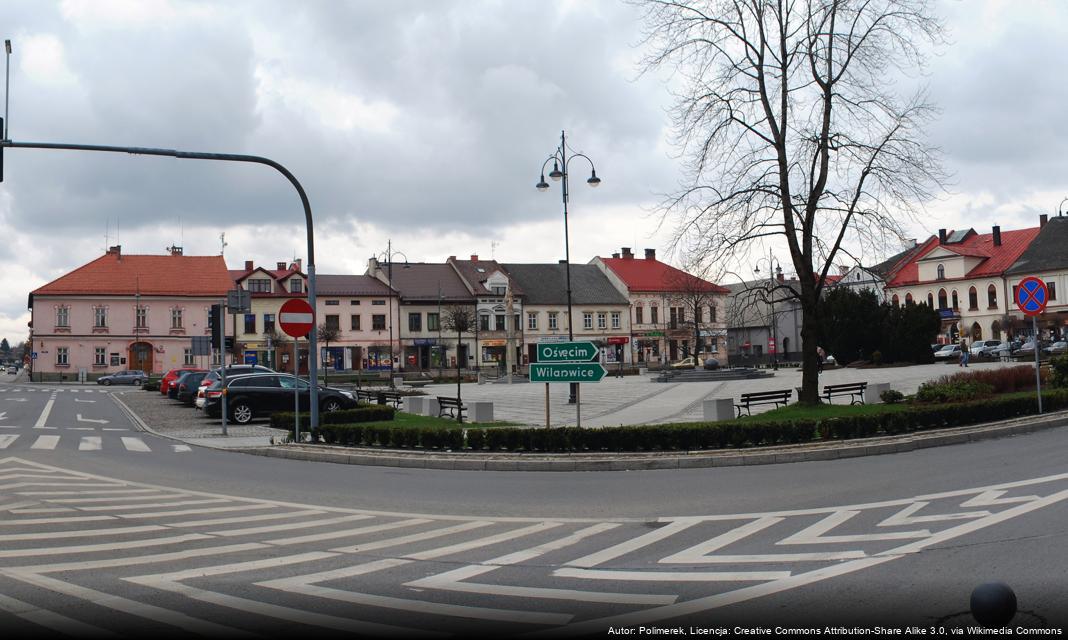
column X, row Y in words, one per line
column 1031, row 298
column 570, row 362
column 296, row 318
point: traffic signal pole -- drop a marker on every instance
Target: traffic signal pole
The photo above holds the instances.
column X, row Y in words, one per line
column 313, row 350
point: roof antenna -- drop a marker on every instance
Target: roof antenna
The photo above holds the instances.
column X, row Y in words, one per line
column 7, row 89
column 493, row 249
column 222, row 242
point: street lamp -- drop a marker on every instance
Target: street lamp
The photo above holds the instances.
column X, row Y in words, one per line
column 774, row 272
column 387, row 257
column 560, row 160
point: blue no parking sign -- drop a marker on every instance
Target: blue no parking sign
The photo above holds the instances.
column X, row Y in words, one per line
column 1031, row 296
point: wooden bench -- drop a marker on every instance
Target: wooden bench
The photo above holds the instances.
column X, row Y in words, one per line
column 452, row 405
column 762, row 397
column 366, row 395
column 853, row 389
column 391, row 397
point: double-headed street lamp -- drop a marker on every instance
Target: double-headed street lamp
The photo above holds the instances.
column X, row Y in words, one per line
column 774, row 271
column 387, row 257
column 561, row 160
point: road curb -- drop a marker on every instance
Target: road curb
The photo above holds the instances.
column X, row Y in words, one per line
column 650, row 461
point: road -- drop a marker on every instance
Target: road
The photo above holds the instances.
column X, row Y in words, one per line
column 136, row 539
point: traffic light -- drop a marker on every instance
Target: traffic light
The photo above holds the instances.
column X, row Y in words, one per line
column 215, row 320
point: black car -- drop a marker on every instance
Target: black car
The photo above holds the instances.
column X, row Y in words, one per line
column 262, row 394
column 185, row 387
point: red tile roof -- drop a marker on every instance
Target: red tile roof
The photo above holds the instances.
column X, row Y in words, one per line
column 169, row 275
column 995, row 259
column 644, row 274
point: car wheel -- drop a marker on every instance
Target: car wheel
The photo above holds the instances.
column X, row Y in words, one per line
column 242, row 412
column 106, row 383
column 331, row 405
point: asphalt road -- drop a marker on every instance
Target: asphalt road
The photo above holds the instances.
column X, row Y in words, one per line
column 137, row 539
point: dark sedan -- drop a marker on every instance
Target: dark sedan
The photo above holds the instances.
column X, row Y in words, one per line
column 258, row 395
column 186, row 387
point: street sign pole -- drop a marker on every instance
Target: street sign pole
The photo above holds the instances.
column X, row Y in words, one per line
column 1038, row 371
column 222, row 361
column 296, row 394
column 546, row 405
column 1032, row 295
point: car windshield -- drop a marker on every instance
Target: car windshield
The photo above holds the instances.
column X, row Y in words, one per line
column 949, row 347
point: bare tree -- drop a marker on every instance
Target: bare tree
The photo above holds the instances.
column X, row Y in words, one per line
column 699, row 299
column 792, row 132
column 327, row 334
column 460, row 319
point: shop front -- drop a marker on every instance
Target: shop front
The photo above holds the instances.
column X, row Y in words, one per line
column 646, row 346
column 423, row 354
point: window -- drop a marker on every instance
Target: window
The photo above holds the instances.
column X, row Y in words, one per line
column 674, row 324
column 100, row 315
column 62, row 357
column 1052, row 288
column 415, row 322
column 532, row 321
column 942, row 299
column 615, row 319
column 259, row 285
column 992, row 297
column 930, row 300
column 653, row 312
column 296, row 285
column 354, row 323
column 63, row 317
column 333, row 322
column 99, row 357
column 587, row 320
column 638, row 315
column 697, row 316
column 378, row 322
column 483, row 322
column 908, row 299
column 500, row 291
column 973, row 299
column 187, row 356
column 554, row 322
column 333, row 303
column 941, row 272
column 141, row 317
column 250, row 323
column 268, row 323
column 498, row 322
column 354, row 302
column 602, row 320
column 712, row 314
column 433, row 322
column 956, row 302
column 176, row 318
column 378, row 303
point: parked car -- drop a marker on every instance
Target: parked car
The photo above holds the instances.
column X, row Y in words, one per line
column 685, row 363
column 936, row 347
column 172, row 376
column 948, row 352
column 232, row 370
column 1029, row 346
column 131, row 376
column 984, row 347
column 187, row 386
column 12, row 369
column 1057, row 348
column 255, row 395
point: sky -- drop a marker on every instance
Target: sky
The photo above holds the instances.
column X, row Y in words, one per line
column 426, row 123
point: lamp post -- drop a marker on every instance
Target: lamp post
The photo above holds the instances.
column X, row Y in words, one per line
column 560, row 160
column 774, row 271
column 387, row 257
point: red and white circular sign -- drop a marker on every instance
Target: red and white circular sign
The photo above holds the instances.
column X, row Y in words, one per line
column 296, row 317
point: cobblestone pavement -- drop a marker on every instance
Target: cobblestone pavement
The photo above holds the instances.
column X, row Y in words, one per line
column 173, row 420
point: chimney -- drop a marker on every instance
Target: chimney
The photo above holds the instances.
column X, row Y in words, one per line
column 280, row 265
column 842, row 269
column 1042, row 220
column 911, row 242
column 117, row 250
column 474, row 257
column 650, row 254
column 297, row 263
column 997, row 236
column 941, row 236
column 175, row 250
column 248, row 265
column 615, row 255
column 627, row 255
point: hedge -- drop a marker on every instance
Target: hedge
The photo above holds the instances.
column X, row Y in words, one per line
column 343, row 428
column 363, row 413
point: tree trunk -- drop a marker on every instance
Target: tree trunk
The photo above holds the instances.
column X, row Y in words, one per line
column 809, row 358
column 459, row 413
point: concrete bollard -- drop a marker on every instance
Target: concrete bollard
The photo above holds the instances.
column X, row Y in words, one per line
column 430, row 407
column 479, row 411
column 871, row 394
column 397, row 381
column 718, row 409
column 414, row 404
column 643, row 371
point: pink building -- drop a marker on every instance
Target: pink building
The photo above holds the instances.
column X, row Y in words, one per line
column 126, row 312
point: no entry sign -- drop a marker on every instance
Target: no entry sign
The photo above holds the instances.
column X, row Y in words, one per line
column 1031, row 296
column 296, row 317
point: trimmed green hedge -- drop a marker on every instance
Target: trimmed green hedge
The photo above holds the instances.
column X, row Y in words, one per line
column 340, row 429
column 362, row 413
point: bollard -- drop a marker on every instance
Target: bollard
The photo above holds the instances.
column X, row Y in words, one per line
column 993, row 604
column 480, row 411
column 718, row 409
column 873, row 391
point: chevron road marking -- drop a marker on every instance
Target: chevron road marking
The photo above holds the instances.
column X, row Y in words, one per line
column 629, row 546
column 93, row 548
column 51, row 620
column 417, row 537
column 814, row 533
column 991, row 498
column 905, row 517
column 348, row 533
column 7, row 439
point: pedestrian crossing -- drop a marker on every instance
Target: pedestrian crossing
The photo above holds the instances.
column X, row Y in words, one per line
column 51, row 442
column 49, row 390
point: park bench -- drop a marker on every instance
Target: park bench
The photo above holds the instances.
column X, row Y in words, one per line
column 762, row 397
column 452, row 405
column 853, row 389
column 391, row 397
column 366, row 395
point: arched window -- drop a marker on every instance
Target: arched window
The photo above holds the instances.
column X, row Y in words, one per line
column 995, row 330
column 992, row 297
column 930, row 300
column 956, row 302
column 908, row 299
column 973, row 299
column 941, row 298
column 895, row 301
column 941, row 272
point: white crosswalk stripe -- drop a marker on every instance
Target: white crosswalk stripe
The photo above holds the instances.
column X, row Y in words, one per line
column 134, row 444
column 46, row 442
column 90, row 443
column 7, row 439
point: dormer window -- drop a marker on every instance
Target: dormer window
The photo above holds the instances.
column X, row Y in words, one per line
column 258, row 285
column 296, row 286
column 941, row 272
column 500, row 291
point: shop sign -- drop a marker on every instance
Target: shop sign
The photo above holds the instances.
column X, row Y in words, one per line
column 425, row 342
column 649, row 334
column 494, row 343
column 618, row 340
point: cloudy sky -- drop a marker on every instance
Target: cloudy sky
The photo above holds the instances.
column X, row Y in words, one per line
column 426, row 122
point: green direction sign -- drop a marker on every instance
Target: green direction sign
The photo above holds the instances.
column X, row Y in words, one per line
column 566, row 351
column 567, row 372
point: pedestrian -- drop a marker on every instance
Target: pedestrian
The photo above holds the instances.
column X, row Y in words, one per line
column 964, row 353
column 821, row 355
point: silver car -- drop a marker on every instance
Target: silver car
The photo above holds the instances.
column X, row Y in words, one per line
column 133, row 376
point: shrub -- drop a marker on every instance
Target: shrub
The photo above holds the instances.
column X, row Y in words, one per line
column 1059, row 371
column 891, row 397
column 363, row 413
column 944, row 390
